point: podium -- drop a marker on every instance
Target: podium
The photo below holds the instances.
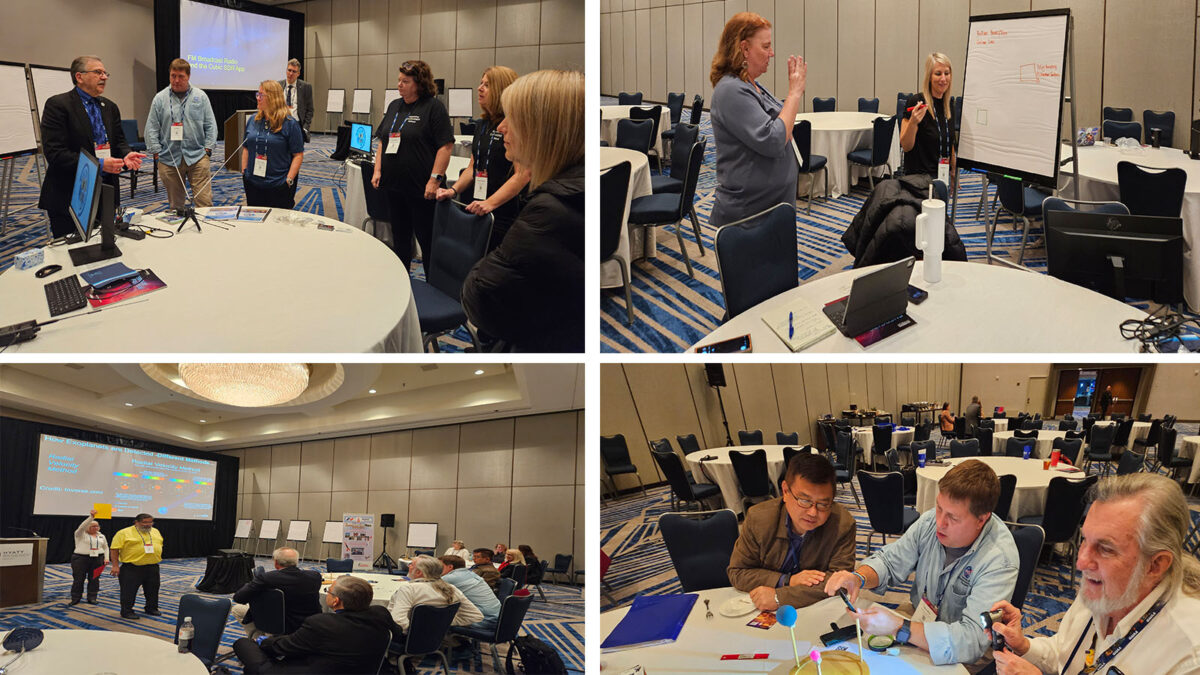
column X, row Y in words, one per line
column 22, row 570
column 235, row 133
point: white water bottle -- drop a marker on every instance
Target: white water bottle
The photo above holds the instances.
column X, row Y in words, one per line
column 186, row 632
column 931, row 236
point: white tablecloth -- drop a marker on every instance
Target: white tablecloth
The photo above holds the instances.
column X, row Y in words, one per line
column 721, row 470
column 1029, row 499
column 702, row 641
column 865, row 437
column 1098, row 181
column 1000, row 423
column 355, row 205
column 270, row 287
column 383, row 585
column 1045, row 442
column 104, row 651
column 611, row 114
column 1188, row 447
column 960, row 315
column 638, row 242
column 834, row 134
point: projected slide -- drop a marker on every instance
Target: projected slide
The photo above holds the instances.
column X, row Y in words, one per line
column 230, row 49
column 73, row 475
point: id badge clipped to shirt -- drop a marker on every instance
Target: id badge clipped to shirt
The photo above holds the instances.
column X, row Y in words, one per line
column 481, row 178
column 177, row 131
column 103, row 151
column 393, row 145
column 924, row 612
column 148, row 548
column 944, row 171
column 260, row 166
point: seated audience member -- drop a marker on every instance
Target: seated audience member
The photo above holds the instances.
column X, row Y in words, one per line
column 498, row 554
column 788, row 545
column 533, row 576
column 483, row 567
column 1135, row 573
column 965, row 561
column 946, row 418
column 473, row 586
column 301, row 597
column 514, row 567
column 351, row 638
column 459, row 549
column 428, row 588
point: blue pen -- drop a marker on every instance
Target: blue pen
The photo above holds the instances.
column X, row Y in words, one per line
column 791, row 328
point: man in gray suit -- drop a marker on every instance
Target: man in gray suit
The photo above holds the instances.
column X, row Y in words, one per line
column 298, row 96
column 972, row 414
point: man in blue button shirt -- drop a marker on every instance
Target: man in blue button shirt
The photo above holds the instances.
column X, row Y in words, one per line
column 182, row 131
column 455, row 573
column 964, row 559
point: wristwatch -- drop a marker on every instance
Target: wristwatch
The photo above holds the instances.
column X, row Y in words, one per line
column 438, row 176
column 905, row 632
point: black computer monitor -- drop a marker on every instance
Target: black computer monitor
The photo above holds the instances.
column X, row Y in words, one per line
column 1120, row 256
column 360, row 137
column 92, row 200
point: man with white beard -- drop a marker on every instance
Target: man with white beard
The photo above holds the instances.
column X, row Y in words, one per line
column 1139, row 603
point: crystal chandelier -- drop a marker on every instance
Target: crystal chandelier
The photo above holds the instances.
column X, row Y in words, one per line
column 246, row 384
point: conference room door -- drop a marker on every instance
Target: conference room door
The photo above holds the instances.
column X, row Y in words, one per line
column 1123, row 380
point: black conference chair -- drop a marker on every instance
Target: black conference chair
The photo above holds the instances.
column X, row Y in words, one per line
column 336, row 565
column 682, row 487
column 634, row 98
column 1144, row 417
column 910, row 475
column 614, row 186
column 1029, row 540
column 1151, row 440
column 635, row 135
column 1063, row 510
column 881, row 438
column 654, row 114
column 756, row 257
column 512, row 615
column 1026, row 433
column 965, row 448
column 426, row 631
column 460, row 240
column 1099, row 447
column 787, row 439
column 377, row 203
column 562, row 565
column 824, row 104
column 615, row 455
column 868, row 105
column 661, row 445
column 847, row 456
column 700, row 545
column 956, row 103
column 1124, row 429
column 884, row 495
column 130, row 129
column 1015, row 447
column 697, row 110
column 810, row 163
column 750, row 437
column 505, row 587
column 1167, row 456
column 675, row 109
column 1067, row 425
column 984, row 436
column 656, row 210
column 880, row 150
column 1021, row 202
column 753, row 478
column 1008, row 486
column 788, row 453
column 209, row 615
column 1118, row 114
column 1149, row 191
column 1114, row 130
column 467, row 128
column 929, row 447
column 1131, row 462
column 688, row 444
column 541, row 569
column 685, row 136
column 1068, row 448
column 1030, row 424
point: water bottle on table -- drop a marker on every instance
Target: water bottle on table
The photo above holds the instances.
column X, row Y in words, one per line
column 931, row 236
column 186, row 632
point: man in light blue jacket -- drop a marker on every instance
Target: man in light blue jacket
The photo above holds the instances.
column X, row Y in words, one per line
column 964, row 559
column 182, row 132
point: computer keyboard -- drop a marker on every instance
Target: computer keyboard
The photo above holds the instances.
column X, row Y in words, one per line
column 65, row 295
column 837, row 313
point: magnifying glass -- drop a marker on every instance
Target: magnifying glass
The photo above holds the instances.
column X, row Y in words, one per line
column 21, row 638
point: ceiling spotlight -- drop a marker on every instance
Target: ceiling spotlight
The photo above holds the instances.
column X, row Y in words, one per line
column 370, row 391
column 203, row 421
column 128, row 405
column 246, row 384
column 479, row 372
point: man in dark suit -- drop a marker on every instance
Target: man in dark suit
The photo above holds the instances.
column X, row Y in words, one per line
column 300, row 592
column 298, row 96
column 81, row 119
column 350, row 639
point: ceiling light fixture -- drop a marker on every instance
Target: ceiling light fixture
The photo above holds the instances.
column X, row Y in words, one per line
column 203, row 421
column 370, row 391
column 246, row 385
column 479, row 372
column 128, row 405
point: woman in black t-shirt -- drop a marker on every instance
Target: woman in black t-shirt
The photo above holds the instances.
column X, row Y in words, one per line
column 490, row 184
column 415, row 140
column 926, row 133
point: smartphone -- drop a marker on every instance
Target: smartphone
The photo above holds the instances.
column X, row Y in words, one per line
column 846, row 599
column 915, row 295
column 737, row 344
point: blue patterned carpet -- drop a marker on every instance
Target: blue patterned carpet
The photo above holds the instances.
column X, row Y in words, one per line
column 673, row 311
column 559, row 622
column 641, row 565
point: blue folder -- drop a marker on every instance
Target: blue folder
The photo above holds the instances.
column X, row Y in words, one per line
column 652, row 620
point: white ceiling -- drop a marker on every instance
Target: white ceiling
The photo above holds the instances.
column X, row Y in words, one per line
column 122, row 398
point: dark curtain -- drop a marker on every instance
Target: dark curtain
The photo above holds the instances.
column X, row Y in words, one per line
column 18, row 486
column 224, row 101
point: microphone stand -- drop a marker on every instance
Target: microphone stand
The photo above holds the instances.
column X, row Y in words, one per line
column 189, row 212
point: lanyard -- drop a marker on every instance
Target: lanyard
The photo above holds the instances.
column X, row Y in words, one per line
column 1112, row 651
column 95, row 542
column 406, row 115
column 260, row 139
column 144, row 542
column 943, row 133
column 487, row 129
column 182, row 106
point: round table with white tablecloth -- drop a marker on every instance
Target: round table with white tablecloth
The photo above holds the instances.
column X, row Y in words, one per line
column 611, row 114
column 836, row 134
column 295, row 283
column 103, row 651
column 1033, row 481
column 382, row 585
column 719, row 470
column 355, row 205
column 959, row 315
column 1098, row 182
column 702, row 641
column 635, row 243
column 865, row 437
column 1000, row 423
column 1045, row 442
column 1189, row 446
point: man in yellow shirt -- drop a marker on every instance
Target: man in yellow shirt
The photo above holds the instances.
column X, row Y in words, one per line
column 136, row 552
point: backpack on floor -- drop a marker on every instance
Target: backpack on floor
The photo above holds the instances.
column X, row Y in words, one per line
column 537, row 657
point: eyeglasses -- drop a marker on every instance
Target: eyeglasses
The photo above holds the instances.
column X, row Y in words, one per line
column 408, row 68
column 101, row 72
column 259, row 95
column 807, row 504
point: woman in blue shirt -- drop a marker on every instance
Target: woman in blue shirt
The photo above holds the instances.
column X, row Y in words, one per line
column 273, row 151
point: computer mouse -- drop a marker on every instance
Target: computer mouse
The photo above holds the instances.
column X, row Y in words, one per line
column 48, row 270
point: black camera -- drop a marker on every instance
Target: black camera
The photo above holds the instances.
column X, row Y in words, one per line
column 986, row 619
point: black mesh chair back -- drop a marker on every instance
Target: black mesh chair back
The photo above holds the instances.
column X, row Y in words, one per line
column 965, row 448
column 1124, row 427
column 1164, row 122
column 1131, row 462
column 750, row 437
column 1015, row 447
column 751, row 471
column 1029, row 540
column 868, row 105
column 661, row 445
column 635, row 135
column 1149, row 191
column 884, row 497
column 635, row 98
column 697, row 110
column 882, row 437
column 209, row 615
column 787, row 439
column 1069, row 448
column 614, row 186
column 756, row 257
column 1067, row 425
column 688, row 444
column 339, row 565
column 1064, row 507
column 269, row 608
column 700, row 545
column 615, row 453
column 427, row 628
column 824, row 104
column 1008, row 486
column 675, row 106
column 460, row 240
column 1025, row 433
column 1118, row 114
column 652, row 113
column 984, row 436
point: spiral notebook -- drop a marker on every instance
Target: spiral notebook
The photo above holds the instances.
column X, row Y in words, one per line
column 652, row 620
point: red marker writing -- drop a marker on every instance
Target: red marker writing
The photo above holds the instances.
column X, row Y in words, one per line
column 743, row 657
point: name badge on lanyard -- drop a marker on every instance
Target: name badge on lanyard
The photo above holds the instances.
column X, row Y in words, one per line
column 481, row 185
column 393, row 143
column 103, row 151
column 944, row 170
column 177, row 131
column 924, row 612
column 260, row 166
column 149, row 548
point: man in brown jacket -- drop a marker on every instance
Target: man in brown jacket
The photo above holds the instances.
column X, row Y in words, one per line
column 789, row 545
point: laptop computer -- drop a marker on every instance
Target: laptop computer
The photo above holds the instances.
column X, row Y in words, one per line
column 875, row 299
